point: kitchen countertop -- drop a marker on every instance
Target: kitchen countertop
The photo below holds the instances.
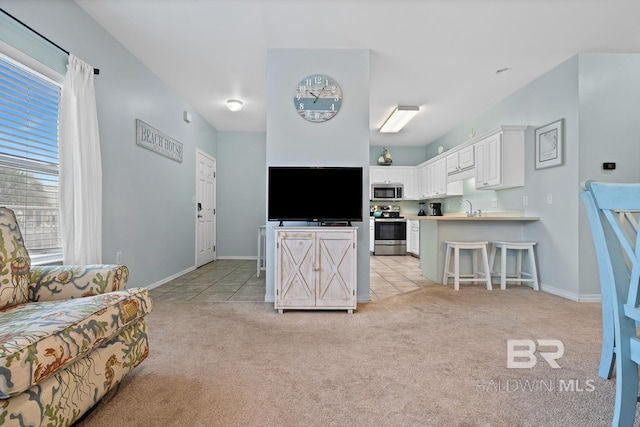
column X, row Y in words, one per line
column 474, row 218
column 487, row 217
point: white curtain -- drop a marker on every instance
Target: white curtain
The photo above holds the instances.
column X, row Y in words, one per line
column 80, row 178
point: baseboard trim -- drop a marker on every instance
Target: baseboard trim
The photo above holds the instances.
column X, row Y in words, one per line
column 241, row 257
column 590, row 298
column 570, row 295
column 170, row 278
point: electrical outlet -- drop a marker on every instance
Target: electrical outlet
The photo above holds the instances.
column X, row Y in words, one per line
column 494, row 203
column 118, row 257
column 525, row 200
column 446, row 206
column 549, row 198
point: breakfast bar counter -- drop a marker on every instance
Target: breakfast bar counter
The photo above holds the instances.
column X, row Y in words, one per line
column 435, row 230
column 472, row 218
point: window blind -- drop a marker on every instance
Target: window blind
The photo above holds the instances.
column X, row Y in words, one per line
column 29, row 134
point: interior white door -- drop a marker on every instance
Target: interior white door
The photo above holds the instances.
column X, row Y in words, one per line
column 205, row 208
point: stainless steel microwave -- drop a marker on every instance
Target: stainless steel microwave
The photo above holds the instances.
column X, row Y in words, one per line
column 387, row 191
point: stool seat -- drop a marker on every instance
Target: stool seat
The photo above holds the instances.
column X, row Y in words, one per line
column 519, row 276
column 475, row 275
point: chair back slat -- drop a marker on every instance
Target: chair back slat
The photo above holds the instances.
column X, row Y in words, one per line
column 630, row 219
column 629, row 223
column 627, row 241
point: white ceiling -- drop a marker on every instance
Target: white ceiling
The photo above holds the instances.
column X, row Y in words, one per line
column 441, row 55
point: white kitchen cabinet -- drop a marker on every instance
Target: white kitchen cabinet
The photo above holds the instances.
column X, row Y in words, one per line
column 432, row 177
column 316, row 268
column 427, row 184
column 410, row 182
column 385, row 174
column 413, row 236
column 489, row 154
column 460, row 163
column 500, row 159
column 422, row 180
column 439, row 175
column 453, row 163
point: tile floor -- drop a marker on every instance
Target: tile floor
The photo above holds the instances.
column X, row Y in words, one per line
column 235, row 280
column 221, row 280
column 393, row 275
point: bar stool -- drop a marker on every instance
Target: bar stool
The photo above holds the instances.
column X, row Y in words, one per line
column 475, row 275
column 520, row 247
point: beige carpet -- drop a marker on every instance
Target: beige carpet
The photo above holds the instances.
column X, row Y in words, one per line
column 432, row 357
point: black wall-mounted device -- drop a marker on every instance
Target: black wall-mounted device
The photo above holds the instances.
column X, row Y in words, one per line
column 609, row 165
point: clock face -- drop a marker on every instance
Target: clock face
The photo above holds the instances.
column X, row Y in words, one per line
column 317, row 98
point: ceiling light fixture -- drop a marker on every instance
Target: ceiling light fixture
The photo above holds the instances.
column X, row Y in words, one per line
column 399, row 118
column 234, row 104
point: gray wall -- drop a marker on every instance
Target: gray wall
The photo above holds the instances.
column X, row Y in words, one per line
column 609, row 132
column 147, row 209
column 242, row 199
column 341, row 141
column 401, row 156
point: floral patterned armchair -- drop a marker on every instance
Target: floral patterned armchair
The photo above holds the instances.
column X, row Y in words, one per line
column 68, row 334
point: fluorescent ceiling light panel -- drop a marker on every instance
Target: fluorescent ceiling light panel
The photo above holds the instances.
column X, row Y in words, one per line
column 399, row 118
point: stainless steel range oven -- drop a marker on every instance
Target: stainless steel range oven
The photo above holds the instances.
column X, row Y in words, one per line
column 390, row 236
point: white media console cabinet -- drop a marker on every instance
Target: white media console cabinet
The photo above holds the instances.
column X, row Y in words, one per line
column 316, row 268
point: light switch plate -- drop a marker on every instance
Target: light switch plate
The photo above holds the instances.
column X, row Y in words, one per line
column 549, row 198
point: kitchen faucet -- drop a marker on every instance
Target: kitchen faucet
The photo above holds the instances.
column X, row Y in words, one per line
column 470, row 212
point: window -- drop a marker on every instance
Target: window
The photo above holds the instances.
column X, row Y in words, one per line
column 29, row 135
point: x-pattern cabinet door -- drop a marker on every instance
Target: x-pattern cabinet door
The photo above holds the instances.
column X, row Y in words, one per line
column 296, row 258
column 337, row 256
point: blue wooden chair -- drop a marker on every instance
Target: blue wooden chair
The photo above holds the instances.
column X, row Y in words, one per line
column 618, row 255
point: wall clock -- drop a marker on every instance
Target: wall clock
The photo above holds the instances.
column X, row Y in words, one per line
column 317, row 98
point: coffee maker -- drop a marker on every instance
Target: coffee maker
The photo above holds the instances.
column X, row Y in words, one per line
column 421, row 211
column 436, row 209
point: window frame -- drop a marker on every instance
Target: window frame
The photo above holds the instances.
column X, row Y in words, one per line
column 21, row 60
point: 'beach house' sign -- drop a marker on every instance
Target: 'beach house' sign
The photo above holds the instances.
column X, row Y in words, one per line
column 154, row 140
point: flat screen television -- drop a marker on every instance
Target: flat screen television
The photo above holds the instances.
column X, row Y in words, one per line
column 315, row 194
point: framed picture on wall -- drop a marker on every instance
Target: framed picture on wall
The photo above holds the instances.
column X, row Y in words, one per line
column 549, row 145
